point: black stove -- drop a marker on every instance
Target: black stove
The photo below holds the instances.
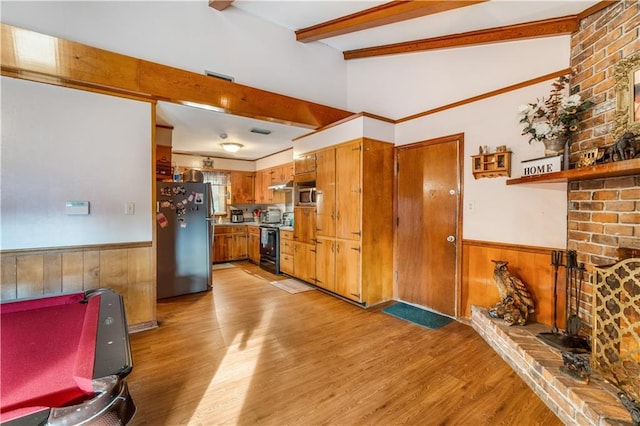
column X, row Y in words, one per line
column 270, row 247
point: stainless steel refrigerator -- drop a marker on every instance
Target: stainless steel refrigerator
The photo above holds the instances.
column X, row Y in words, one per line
column 184, row 224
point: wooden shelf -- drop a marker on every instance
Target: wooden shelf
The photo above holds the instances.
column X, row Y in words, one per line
column 599, row 171
column 491, row 165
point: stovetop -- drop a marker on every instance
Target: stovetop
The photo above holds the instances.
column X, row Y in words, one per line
column 271, row 225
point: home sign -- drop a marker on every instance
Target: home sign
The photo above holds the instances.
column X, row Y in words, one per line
column 540, row 166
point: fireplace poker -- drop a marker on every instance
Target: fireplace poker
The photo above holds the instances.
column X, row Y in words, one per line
column 556, row 261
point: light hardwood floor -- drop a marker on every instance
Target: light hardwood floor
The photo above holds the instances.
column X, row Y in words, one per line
column 250, row 353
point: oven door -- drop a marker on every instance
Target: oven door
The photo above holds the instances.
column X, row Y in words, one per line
column 269, row 249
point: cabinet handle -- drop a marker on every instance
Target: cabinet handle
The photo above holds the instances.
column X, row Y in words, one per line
column 319, row 242
column 337, row 249
column 355, row 248
column 357, row 233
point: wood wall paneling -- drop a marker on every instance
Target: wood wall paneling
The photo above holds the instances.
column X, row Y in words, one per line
column 531, row 264
column 126, row 268
column 8, row 278
column 72, row 272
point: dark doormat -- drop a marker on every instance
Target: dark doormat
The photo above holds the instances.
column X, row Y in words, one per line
column 416, row 315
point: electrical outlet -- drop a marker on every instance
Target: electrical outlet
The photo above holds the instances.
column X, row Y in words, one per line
column 471, row 206
column 130, row 208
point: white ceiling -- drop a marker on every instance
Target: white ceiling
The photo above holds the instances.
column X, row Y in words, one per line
column 197, row 131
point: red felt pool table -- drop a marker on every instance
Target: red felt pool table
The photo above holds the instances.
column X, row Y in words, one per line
column 64, row 360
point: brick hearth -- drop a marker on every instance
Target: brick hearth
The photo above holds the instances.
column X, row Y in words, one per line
column 539, row 365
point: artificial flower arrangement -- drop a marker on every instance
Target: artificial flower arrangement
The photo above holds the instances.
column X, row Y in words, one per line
column 553, row 117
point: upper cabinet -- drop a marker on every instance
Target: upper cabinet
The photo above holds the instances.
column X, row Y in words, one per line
column 268, row 177
column 305, row 167
column 242, row 187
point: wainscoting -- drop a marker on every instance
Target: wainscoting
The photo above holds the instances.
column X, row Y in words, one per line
column 531, row 264
column 126, row 268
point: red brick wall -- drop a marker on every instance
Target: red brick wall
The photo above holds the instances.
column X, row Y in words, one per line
column 603, row 214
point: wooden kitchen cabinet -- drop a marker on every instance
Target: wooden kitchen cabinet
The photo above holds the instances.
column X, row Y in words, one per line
column 242, row 188
column 326, row 193
column 304, row 219
column 348, row 191
column 287, row 265
column 229, row 243
column 354, row 257
column 348, row 279
column 326, row 263
column 304, row 261
column 305, row 167
column 253, row 244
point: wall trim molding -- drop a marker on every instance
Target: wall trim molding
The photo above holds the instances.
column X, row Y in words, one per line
column 66, row 249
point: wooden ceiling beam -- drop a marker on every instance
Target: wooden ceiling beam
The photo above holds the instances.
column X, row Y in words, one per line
column 388, row 13
column 543, row 28
column 220, row 4
column 37, row 57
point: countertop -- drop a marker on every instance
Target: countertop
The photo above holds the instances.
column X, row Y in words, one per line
column 285, row 228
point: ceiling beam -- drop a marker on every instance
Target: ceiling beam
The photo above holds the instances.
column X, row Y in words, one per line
column 37, row 57
column 220, row 4
column 388, row 13
column 543, row 28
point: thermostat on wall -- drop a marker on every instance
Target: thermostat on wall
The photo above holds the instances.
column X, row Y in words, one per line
column 76, row 207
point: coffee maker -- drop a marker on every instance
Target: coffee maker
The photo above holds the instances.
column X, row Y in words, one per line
column 236, row 216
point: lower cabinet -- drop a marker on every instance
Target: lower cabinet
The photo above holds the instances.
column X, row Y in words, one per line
column 304, row 261
column 326, row 263
column 286, row 252
column 229, row 243
column 348, row 276
column 253, row 244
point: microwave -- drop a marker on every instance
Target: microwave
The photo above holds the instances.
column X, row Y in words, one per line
column 306, row 196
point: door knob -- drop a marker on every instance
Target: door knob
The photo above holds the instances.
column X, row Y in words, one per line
column 451, row 238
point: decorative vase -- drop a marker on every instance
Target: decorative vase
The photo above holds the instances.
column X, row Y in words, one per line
column 553, row 147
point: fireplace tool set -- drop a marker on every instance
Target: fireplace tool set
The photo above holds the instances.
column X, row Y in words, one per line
column 569, row 340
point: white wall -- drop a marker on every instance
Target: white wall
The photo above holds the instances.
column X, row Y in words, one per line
column 530, row 215
column 62, row 144
column 193, row 36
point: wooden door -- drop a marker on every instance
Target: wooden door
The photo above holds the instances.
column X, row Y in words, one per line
column 242, row 191
column 325, row 263
column 304, row 261
column 348, row 277
column 239, row 249
column 348, row 191
column 222, row 247
column 427, row 226
column 253, row 248
column 326, row 193
column 304, row 219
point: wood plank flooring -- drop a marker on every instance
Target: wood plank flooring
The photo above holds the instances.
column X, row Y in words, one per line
column 249, row 353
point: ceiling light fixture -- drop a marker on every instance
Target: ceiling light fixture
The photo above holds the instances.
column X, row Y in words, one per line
column 231, row 146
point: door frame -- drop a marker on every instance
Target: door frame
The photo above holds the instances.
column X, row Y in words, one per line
column 459, row 138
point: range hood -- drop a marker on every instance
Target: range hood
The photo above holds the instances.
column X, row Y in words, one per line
column 282, row 186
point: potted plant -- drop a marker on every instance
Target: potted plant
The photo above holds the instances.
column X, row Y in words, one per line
column 554, row 119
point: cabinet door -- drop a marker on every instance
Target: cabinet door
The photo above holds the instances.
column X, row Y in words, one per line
column 348, row 191
column 304, row 262
column 222, row 247
column 348, row 276
column 305, row 163
column 304, row 224
column 253, row 248
column 325, row 263
column 239, row 248
column 242, row 191
column 326, row 193
column 287, row 264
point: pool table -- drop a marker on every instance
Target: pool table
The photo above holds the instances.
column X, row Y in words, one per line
column 64, row 360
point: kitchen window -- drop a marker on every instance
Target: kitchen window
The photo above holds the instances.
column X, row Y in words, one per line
column 218, row 182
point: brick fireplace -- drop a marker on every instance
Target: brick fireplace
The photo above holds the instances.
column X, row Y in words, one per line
column 603, row 214
column 603, row 217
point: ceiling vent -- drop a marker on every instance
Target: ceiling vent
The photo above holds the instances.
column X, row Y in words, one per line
column 260, row 131
column 220, row 76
